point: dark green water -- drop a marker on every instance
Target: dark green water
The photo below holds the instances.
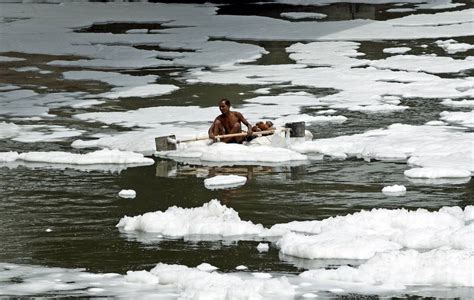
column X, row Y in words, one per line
column 82, row 208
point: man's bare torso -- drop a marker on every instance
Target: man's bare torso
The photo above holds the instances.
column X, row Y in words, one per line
column 229, row 120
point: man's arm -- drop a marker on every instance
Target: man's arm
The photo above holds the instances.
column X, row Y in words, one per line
column 246, row 123
column 210, row 131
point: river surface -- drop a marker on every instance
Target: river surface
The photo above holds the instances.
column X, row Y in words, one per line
column 82, row 207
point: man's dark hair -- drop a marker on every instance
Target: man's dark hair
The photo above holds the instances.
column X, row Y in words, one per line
column 227, row 102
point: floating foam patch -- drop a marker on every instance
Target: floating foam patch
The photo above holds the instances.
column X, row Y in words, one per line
column 449, row 267
column 210, row 219
column 437, row 173
column 394, row 190
column 224, row 182
column 127, row 194
column 428, row 146
column 303, row 15
column 396, row 50
column 460, row 118
column 356, row 236
column 140, row 91
column 98, row 157
column 452, row 46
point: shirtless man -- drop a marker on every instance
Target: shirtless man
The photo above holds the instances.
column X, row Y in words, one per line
column 228, row 122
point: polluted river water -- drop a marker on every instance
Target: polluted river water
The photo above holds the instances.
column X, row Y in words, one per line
column 378, row 204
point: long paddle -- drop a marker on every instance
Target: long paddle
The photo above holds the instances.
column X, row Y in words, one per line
column 167, row 143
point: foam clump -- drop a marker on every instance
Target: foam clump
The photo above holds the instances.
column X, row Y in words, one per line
column 104, row 156
column 127, row 194
column 8, row 156
column 224, row 181
column 459, row 118
column 364, row 234
column 458, row 103
column 263, row 247
column 162, row 281
column 206, row 267
column 197, row 284
column 394, row 190
column 141, row 277
column 357, row 236
column 212, row 218
column 452, row 46
column 437, row 173
column 303, row 15
column 448, row 267
column 396, row 50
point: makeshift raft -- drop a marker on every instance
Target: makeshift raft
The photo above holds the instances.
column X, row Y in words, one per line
column 276, row 137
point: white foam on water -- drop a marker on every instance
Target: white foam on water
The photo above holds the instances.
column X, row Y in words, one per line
column 340, row 54
column 303, row 15
column 452, row 46
column 427, row 146
column 364, row 234
column 356, row 236
column 360, row 87
column 134, row 31
column 395, row 190
column 437, row 173
column 127, row 194
column 460, row 118
column 10, row 59
column 151, row 117
column 378, row 108
column 396, row 50
column 163, row 281
column 190, row 30
column 458, row 103
column 210, row 219
column 27, row 103
column 8, row 87
column 36, row 133
column 434, row 4
column 224, row 182
column 140, row 91
column 400, row 10
column 212, row 285
column 112, row 78
column 8, row 156
column 309, row 295
column 27, row 69
column 310, row 119
column 421, row 248
column 439, row 4
column 99, row 157
column 447, row 267
column 263, row 247
column 206, row 267
column 425, row 63
column 356, row 87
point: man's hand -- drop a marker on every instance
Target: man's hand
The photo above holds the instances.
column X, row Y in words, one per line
column 249, row 130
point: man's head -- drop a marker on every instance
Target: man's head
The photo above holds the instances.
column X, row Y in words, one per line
column 224, row 105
